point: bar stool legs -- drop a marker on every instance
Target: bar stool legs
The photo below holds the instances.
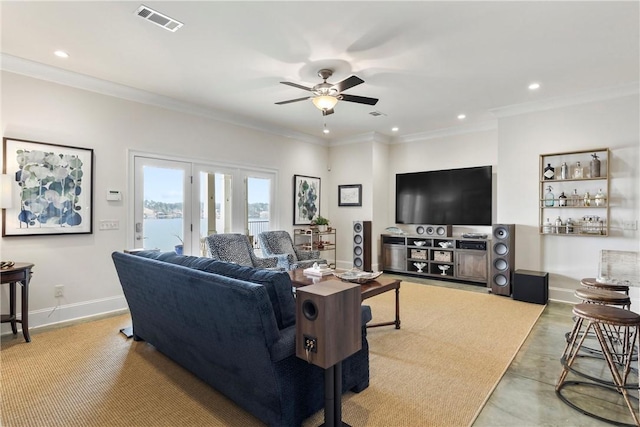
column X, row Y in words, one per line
column 616, row 349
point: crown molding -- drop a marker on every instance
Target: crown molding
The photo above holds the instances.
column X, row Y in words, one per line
column 44, row 72
column 363, row 137
column 446, row 132
column 568, row 101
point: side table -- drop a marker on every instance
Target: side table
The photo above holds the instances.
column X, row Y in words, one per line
column 19, row 273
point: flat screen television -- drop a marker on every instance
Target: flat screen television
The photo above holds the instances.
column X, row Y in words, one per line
column 445, row 197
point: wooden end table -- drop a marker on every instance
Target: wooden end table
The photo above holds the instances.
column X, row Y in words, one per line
column 369, row 289
column 19, row 273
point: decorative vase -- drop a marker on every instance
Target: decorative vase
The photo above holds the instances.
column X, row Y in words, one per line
column 178, row 249
column 420, row 266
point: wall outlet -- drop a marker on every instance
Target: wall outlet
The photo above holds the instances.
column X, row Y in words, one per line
column 630, row 225
column 58, row 291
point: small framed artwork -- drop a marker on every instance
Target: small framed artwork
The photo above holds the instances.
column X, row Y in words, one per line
column 50, row 189
column 306, row 199
column 350, row 195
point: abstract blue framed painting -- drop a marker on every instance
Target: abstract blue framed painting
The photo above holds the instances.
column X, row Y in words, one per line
column 51, row 189
column 306, row 199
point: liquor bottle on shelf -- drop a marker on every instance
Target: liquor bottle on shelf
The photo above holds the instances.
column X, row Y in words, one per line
column 575, row 199
column 562, row 200
column 557, row 228
column 549, row 197
column 564, row 171
column 586, row 200
column 600, row 199
column 549, row 172
column 546, row 227
column 595, row 166
column 569, row 226
column 577, row 171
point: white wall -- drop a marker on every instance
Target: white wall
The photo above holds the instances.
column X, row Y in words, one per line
column 600, row 124
column 350, row 164
column 41, row 111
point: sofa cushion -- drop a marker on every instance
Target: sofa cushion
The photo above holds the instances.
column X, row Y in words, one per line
column 277, row 283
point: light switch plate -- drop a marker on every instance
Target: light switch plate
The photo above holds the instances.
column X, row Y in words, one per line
column 109, row 224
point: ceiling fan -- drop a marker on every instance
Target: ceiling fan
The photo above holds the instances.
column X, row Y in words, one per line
column 326, row 95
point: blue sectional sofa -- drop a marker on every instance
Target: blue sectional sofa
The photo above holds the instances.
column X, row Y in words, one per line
column 234, row 328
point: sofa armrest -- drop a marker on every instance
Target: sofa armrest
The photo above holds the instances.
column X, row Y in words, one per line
column 366, row 314
column 265, row 262
column 285, row 346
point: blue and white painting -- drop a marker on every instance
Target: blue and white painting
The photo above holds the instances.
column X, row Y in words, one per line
column 51, row 188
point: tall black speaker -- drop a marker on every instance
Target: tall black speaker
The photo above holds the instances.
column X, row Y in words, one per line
column 362, row 245
column 503, row 248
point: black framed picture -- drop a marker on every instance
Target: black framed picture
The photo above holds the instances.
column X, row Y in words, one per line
column 50, row 189
column 350, row 195
column 306, row 199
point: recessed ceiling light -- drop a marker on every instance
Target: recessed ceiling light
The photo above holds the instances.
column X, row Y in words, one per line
column 462, row 116
column 534, row 86
column 395, row 129
column 325, row 131
column 61, row 54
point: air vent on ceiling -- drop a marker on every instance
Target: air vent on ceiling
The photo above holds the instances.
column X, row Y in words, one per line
column 376, row 113
column 158, row 18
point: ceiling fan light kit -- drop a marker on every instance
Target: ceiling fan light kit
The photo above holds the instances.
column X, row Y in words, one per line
column 327, row 95
column 324, row 102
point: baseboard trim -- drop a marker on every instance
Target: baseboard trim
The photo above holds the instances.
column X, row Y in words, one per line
column 71, row 313
column 562, row 295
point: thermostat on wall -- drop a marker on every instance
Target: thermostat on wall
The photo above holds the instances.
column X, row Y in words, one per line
column 114, row 195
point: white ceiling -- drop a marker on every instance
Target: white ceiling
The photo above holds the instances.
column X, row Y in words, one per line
column 427, row 62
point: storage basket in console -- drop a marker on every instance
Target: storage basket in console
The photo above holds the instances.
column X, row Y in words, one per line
column 442, row 256
column 419, row 254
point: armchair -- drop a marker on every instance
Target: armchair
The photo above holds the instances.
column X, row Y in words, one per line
column 235, row 248
column 280, row 245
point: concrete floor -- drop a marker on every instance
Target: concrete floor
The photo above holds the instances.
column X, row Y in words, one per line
column 526, row 394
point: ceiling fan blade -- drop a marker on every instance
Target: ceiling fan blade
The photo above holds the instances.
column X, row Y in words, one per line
column 292, row 100
column 296, row 85
column 360, row 99
column 347, row 83
column 327, row 112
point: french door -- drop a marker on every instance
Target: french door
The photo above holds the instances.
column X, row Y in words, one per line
column 181, row 203
column 162, row 204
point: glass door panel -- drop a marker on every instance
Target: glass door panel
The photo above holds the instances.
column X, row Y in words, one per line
column 216, row 205
column 162, row 205
column 258, row 207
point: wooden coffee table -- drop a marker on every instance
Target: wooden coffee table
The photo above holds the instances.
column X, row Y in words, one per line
column 369, row 289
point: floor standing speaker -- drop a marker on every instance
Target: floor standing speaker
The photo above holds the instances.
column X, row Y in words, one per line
column 503, row 258
column 362, row 245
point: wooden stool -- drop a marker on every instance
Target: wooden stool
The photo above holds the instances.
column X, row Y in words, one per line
column 617, row 352
column 600, row 296
column 592, row 283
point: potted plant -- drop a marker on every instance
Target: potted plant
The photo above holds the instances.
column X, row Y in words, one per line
column 322, row 223
column 179, row 248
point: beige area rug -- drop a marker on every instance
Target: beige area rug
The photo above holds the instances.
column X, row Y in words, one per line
column 438, row 370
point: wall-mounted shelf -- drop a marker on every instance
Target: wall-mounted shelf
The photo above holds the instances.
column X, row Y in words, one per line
column 584, row 209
